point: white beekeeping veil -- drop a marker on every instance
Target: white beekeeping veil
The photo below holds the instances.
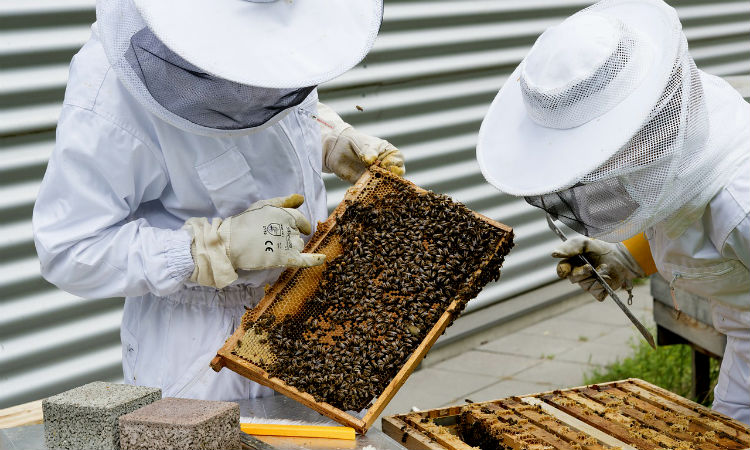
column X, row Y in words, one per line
column 232, row 66
column 604, row 124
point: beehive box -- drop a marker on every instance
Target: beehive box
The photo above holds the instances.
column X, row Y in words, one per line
column 628, row 415
column 343, row 337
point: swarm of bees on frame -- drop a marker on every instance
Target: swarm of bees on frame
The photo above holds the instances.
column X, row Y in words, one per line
column 406, row 257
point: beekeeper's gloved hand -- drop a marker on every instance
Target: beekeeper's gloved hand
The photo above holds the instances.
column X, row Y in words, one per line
column 347, row 152
column 265, row 235
column 612, row 261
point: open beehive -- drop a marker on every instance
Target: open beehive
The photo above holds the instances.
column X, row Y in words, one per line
column 342, row 338
column 627, row 415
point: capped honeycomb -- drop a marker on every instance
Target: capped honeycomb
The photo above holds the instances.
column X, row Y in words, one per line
column 398, row 259
column 647, row 420
column 630, row 414
column 511, row 424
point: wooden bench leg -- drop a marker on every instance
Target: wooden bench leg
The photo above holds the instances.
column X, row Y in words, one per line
column 701, row 376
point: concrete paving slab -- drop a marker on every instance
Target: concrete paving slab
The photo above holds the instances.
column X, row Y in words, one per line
column 528, row 345
column 507, row 388
column 432, row 387
column 622, row 336
column 573, row 330
column 558, row 374
column 606, row 312
column 487, row 363
column 595, row 353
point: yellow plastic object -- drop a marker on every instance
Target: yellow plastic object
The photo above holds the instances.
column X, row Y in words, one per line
column 641, row 252
column 309, row 431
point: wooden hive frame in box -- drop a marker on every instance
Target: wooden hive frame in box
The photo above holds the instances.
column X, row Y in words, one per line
column 604, row 416
column 324, row 241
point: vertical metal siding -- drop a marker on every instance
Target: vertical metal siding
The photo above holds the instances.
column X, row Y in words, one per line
column 425, row 86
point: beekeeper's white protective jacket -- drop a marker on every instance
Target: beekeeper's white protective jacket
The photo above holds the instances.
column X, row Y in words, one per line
column 711, row 258
column 120, row 184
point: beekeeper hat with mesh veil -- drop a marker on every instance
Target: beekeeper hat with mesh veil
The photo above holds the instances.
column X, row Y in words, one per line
column 604, row 124
column 232, row 66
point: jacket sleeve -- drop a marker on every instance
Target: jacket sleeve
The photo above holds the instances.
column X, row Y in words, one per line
column 738, row 242
column 640, row 250
column 87, row 241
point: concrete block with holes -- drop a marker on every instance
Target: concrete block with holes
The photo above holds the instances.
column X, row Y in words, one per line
column 87, row 417
column 179, row 423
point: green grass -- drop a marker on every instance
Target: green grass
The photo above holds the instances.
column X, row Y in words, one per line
column 669, row 367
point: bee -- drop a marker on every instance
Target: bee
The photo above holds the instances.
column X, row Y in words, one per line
column 379, row 295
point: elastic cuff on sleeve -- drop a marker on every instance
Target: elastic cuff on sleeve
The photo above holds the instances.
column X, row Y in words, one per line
column 179, row 259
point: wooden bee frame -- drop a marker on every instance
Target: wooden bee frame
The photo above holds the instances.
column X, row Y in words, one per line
column 587, row 417
column 225, row 358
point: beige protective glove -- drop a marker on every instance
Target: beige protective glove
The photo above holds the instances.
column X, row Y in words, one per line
column 348, row 153
column 266, row 235
column 612, row 261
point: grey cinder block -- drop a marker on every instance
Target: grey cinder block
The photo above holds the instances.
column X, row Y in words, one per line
column 86, row 417
column 179, row 423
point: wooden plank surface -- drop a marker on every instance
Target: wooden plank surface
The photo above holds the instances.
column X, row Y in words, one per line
column 695, row 332
column 665, row 433
column 533, row 432
column 552, row 424
column 713, row 419
column 613, row 424
column 578, row 424
column 664, row 416
column 393, row 426
column 21, row 415
column 434, row 432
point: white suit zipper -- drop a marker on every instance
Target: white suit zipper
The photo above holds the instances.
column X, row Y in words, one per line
column 690, row 276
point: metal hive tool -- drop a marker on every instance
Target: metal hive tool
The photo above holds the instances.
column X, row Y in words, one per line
column 294, row 302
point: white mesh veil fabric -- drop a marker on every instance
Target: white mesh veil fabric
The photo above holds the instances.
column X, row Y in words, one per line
column 182, row 96
column 666, row 165
column 202, row 98
column 582, row 100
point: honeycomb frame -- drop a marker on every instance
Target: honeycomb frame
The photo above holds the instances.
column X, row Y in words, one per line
column 629, row 414
column 325, row 241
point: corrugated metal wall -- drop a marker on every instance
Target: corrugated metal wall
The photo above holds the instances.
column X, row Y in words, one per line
column 425, row 86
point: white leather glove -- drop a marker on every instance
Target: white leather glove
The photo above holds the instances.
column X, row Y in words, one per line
column 348, row 153
column 612, row 261
column 265, row 235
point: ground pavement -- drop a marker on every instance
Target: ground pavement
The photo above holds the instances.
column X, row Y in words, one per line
column 551, row 354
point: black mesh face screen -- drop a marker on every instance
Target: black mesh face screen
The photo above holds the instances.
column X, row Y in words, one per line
column 202, row 98
column 589, row 209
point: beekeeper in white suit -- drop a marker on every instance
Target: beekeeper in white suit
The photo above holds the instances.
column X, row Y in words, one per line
column 609, row 127
column 189, row 138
